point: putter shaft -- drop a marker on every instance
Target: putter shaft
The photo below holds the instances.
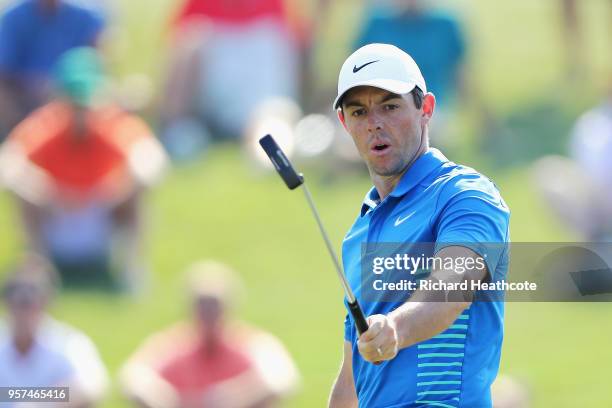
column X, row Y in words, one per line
column 347, row 289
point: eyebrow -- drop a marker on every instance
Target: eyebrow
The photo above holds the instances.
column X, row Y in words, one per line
column 386, row 98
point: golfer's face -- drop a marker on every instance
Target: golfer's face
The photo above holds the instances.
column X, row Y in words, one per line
column 387, row 128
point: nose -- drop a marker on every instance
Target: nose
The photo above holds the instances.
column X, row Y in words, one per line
column 374, row 122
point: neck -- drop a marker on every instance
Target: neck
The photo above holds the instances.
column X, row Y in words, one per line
column 49, row 6
column 23, row 344
column 210, row 345
column 386, row 184
column 79, row 128
column 410, row 13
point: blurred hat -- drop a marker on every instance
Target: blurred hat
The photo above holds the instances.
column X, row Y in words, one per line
column 79, row 73
column 382, row 66
column 213, row 279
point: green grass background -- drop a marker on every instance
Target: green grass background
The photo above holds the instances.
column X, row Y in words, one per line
column 220, row 207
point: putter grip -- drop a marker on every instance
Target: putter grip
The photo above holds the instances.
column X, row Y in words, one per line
column 360, row 320
column 281, row 162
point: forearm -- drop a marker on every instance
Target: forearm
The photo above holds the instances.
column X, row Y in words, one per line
column 145, row 387
column 248, row 390
column 419, row 321
column 429, row 312
column 9, row 112
column 26, row 180
column 342, row 396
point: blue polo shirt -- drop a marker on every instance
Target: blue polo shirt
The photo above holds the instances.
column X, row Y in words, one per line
column 31, row 41
column 438, row 202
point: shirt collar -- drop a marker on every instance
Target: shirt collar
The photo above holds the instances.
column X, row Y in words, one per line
column 371, row 200
column 428, row 162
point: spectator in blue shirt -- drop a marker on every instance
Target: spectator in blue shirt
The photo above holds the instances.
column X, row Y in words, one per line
column 434, row 40
column 33, row 35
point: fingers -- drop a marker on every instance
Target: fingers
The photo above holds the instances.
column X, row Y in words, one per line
column 376, row 324
column 380, row 341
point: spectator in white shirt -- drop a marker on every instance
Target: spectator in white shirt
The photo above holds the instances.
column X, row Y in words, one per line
column 578, row 188
column 36, row 350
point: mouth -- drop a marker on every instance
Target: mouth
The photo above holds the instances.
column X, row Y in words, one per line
column 379, row 148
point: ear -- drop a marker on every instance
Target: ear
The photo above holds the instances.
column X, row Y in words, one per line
column 429, row 104
column 341, row 118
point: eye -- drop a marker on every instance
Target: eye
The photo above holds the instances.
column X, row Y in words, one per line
column 391, row 106
column 358, row 112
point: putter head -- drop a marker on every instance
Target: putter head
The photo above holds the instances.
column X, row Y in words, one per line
column 281, row 162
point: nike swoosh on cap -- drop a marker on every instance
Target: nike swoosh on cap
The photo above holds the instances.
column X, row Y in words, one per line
column 357, row 69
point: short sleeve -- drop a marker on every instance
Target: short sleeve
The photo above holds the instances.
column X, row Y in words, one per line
column 91, row 375
column 273, row 363
column 348, row 329
column 475, row 216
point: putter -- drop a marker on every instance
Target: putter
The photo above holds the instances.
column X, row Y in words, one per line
column 293, row 180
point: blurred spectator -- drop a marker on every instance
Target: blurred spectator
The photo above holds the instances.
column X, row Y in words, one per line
column 38, row 351
column 77, row 167
column 228, row 57
column 436, row 43
column 572, row 39
column 212, row 361
column 574, row 35
column 434, row 40
column 579, row 189
column 33, row 35
column 509, row 392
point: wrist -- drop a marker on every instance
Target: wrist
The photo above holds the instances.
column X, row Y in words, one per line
column 399, row 326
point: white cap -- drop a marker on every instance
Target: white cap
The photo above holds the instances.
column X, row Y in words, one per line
column 382, row 66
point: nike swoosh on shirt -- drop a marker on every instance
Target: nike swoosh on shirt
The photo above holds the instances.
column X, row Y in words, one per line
column 399, row 220
column 357, row 69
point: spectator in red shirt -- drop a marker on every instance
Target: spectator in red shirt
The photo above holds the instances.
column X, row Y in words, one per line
column 77, row 167
column 228, row 57
column 213, row 360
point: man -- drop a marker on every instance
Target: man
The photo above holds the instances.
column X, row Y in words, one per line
column 418, row 351
column 78, row 167
column 33, row 35
column 36, row 350
column 212, row 360
column 578, row 189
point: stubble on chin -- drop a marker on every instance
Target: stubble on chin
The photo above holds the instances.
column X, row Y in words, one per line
column 386, row 171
